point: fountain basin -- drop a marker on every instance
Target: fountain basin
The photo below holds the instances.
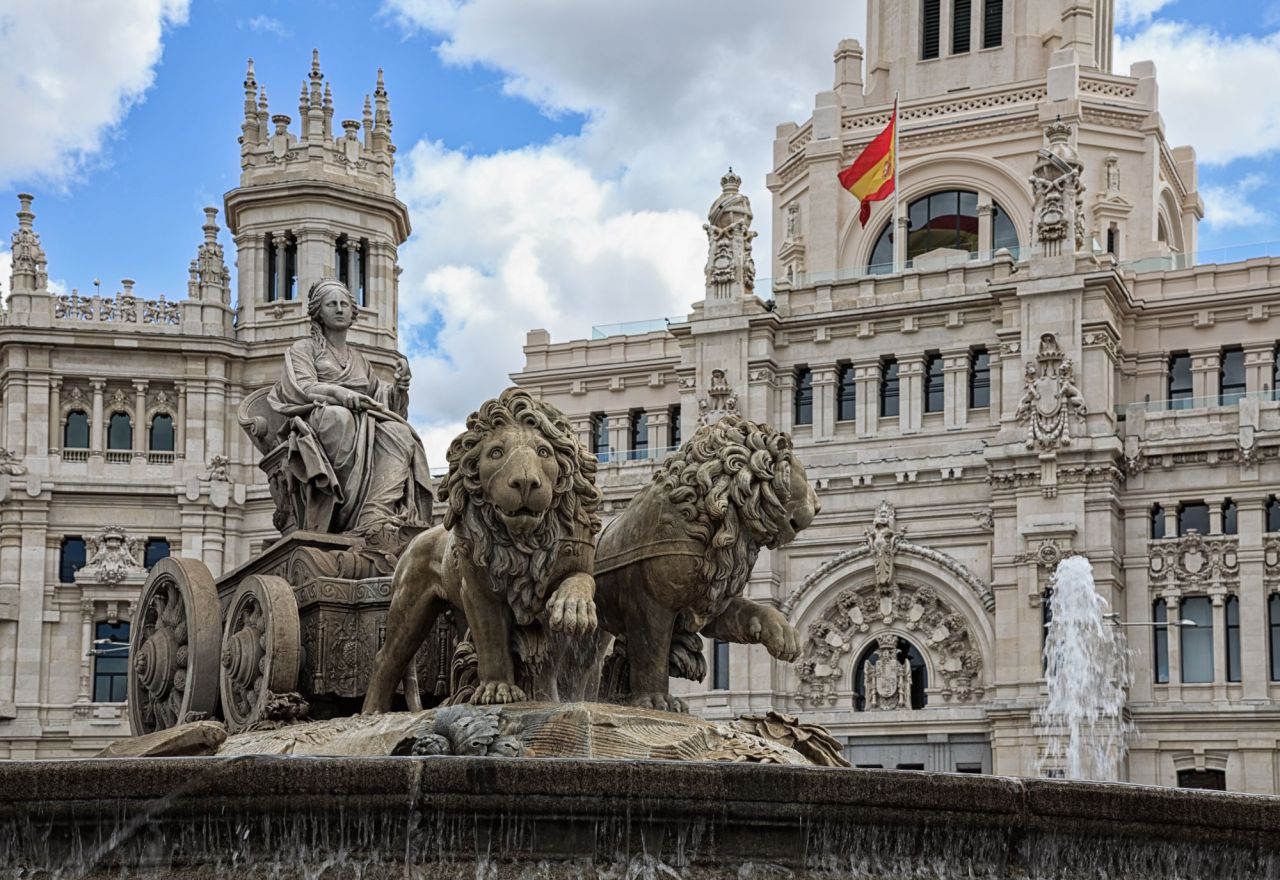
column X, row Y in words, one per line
column 445, row 817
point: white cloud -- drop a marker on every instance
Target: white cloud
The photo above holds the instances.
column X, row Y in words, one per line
column 1134, row 12
column 1231, row 206
column 264, row 24
column 69, row 72
column 1209, row 87
column 603, row 226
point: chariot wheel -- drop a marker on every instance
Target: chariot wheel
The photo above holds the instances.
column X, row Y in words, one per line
column 173, row 648
column 261, row 649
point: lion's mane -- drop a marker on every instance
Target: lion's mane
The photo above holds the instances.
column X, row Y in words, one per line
column 519, row 568
column 731, row 483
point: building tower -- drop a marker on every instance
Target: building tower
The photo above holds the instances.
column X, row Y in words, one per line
column 312, row 205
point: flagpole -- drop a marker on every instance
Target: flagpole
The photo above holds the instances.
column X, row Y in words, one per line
column 897, row 202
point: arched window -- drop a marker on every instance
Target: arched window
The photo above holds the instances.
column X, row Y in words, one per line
column 161, row 439
column 110, row 662
column 75, row 433
column 120, row 431
column 947, row 219
column 907, row 652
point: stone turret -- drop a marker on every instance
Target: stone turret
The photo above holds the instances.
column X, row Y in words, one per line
column 311, row 205
column 30, row 268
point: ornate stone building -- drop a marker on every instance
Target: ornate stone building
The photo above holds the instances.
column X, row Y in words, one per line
column 1032, row 364
column 120, row 411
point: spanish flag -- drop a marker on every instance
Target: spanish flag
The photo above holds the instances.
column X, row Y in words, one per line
column 871, row 176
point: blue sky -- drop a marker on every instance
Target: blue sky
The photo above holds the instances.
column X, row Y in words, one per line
column 557, row 156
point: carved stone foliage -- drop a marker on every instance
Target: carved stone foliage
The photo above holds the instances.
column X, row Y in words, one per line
column 1194, row 562
column 721, row 400
column 825, row 667
column 113, row 556
column 1059, row 195
column 730, row 265
column 1050, row 398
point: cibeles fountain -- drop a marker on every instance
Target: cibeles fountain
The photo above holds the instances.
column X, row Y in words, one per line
column 279, row 710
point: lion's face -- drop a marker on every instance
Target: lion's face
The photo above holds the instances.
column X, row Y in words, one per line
column 802, row 507
column 518, row 474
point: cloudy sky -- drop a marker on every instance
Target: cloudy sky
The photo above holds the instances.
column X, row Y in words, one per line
column 557, row 156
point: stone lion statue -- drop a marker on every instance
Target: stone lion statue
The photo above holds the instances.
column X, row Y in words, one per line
column 515, row 550
column 672, row 567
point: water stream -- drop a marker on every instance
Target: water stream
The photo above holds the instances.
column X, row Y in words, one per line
column 1087, row 672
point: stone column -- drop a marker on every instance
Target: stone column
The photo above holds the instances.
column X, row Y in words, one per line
column 1171, row 614
column 180, row 429
column 787, row 396
column 55, row 415
column 1171, row 520
column 824, row 403
column 658, row 422
column 1204, row 375
column 353, row 270
column 1219, row 646
column 955, row 371
column 1254, row 631
column 995, row 412
column 140, row 427
column 986, row 222
column 1215, row 514
column 619, row 433
column 280, row 243
column 900, row 243
column 866, row 376
column 910, row 394
column 1259, row 366
column 96, row 432
column 29, row 676
column 86, row 647
column 10, row 586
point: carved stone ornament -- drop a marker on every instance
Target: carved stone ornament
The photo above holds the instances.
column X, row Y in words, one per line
column 888, row 679
column 1058, row 195
column 986, row 519
column 720, row 401
column 10, row 464
column 218, row 470
column 1050, row 398
column 729, row 235
column 113, row 556
column 1047, row 554
column 940, row 630
column 883, row 540
column 1194, row 562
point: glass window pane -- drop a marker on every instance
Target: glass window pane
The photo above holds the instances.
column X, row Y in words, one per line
column 157, row 549
column 674, row 431
column 71, row 558
column 600, row 434
column 1233, row 638
column 1273, row 619
column 934, row 384
column 980, row 380
column 120, row 432
column 1197, row 641
column 720, row 665
column 846, row 394
column 803, row 411
column 1161, row 649
column 1230, row 516
column 161, row 439
column 889, row 388
column 1003, row 234
column 931, row 29
column 882, row 253
column 1179, row 381
column 1231, row 384
column 1273, row 514
column 1157, row 522
column 111, row 662
column 961, row 24
column 76, row 433
column 1193, row 515
column 992, row 23
column 639, row 435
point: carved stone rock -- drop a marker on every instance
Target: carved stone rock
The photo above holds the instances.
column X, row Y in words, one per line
column 186, row 740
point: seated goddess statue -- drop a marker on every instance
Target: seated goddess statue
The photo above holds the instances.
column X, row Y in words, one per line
column 359, row 464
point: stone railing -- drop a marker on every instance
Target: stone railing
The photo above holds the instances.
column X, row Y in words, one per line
column 123, row 308
column 75, row 455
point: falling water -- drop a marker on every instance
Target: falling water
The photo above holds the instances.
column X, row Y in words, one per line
column 1087, row 669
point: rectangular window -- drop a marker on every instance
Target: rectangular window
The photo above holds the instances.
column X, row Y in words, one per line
column 1196, row 642
column 1157, row 522
column 1193, row 515
column 992, row 23
column 1206, row 780
column 1113, row 241
column 1273, row 625
column 157, row 549
column 1273, row 514
column 889, row 387
column 719, row 665
column 846, row 394
column 930, row 28
column 910, row 767
column 673, row 430
column 968, row 768
column 1230, row 518
column 1231, row 384
column 600, row 436
column 961, row 25
column 639, row 435
column 979, row 379
column 1159, row 616
column 803, row 403
column 1233, row 638
column 71, row 558
column 934, row 383
column 1179, row 391
column 110, row 662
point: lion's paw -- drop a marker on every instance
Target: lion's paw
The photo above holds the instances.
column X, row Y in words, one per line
column 779, row 637
column 571, row 613
column 661, row 702
column 492, row 692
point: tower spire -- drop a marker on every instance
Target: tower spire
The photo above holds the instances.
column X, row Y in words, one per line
column 382, row 116
column 250, row 125
column 29, row 267
column 367, row 122
column 328, row 113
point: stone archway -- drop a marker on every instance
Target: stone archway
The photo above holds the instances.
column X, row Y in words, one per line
column 858, row 613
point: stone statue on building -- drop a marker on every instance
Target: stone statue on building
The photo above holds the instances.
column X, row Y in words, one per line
column 352, row 463
column 1050, row 398
column 883, row 538
column 730, row 270
column 1058, row 192
column 113, row 555
column 888, row 684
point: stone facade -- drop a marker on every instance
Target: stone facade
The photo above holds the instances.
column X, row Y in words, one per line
column 120, row 411
column 1043, row 371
